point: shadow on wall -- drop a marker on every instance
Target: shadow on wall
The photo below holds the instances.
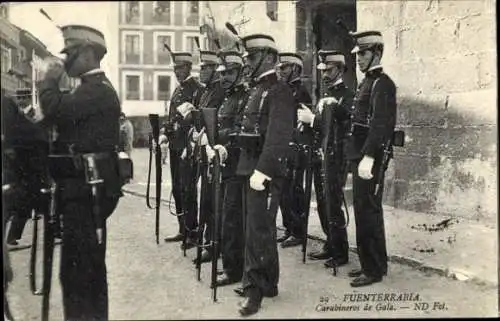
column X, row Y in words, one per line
column 448, row 164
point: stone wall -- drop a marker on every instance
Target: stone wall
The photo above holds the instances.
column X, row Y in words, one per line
column 442, row 57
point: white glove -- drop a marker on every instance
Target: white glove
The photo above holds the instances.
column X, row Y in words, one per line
column 184, row 153
column 257, row 180
column 210, row 152
column 33, row 114
column 326, row 101
column 365, row 167
column 305, row 115
column 222, row 152
column 185, row 108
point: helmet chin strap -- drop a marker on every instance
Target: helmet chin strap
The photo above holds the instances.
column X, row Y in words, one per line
column 370, row 63
column 261, row 60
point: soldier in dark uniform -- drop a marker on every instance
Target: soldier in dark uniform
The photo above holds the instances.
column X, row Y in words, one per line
column 374, row 119
column 229, row 118
column 26, row 145
column 269, row 119
column 339, row 98
column 212, row 97
column 293, row 200
column 177, row 126
column 87, row 122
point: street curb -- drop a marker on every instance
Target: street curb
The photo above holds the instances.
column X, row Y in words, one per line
column 446, row 272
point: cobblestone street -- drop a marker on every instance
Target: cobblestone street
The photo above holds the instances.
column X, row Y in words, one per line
column 155, row 282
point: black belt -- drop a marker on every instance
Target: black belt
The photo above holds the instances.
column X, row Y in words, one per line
column 63, row 166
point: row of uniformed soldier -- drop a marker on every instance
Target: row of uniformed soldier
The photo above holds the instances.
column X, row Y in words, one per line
column 266, row 120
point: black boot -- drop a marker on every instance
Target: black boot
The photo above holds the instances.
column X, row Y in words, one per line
column 252, row 303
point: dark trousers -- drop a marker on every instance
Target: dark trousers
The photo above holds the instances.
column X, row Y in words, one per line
column 233, row 234
column 261, row 268
column 184, row 177
column 83, row 267
column 175, row 175
column 29, row 168
column 292, row 203
column 338, row 245
column 369, row 217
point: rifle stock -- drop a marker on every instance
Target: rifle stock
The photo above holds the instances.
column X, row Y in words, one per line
column 215, row 237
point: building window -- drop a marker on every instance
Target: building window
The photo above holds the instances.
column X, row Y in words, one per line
column 132, row 87
column 4, row 10
column 133, row 47
column 162, row 56
column 6, row 59
column 132, row 12
column 163, row 86
column 193, row 13
column 162, row 12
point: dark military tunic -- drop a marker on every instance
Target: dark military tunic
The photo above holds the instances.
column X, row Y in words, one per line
column 333, row 140
column 268, row 114
column 87, row 121
column 233, row 236
column 374, row 120
column 177, row 129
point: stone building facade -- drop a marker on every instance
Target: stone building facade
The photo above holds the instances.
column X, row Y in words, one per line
column 442, row 57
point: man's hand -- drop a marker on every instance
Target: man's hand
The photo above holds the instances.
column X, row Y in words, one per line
column 222, row 152
column 365, row 167
column 55, row 69
column 326, row 101
column 257, row 180
column 305, row 115
column 185, row 108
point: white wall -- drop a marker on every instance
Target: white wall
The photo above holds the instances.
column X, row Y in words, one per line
column 282, row 30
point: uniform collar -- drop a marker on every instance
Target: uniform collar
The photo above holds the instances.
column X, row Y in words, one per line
column 92, row 72
column 374, row 71
column 338, row 82
column 188, row 78
column 295, row 81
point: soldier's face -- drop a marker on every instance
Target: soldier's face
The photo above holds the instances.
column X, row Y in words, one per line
column 230, row 77
column 182, row 71
column 285, row 71
column 330, row 75
column 256, row 62
column 206, row 72
column 364, row 57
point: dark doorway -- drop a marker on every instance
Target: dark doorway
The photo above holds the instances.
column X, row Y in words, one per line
column 317, row 28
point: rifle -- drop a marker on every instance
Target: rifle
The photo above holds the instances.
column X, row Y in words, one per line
column 201, row 226
column 216, row 179
column 49, row 224
column 307, row 194
column 325, row 163
column 209, row 117
column 155, row 137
